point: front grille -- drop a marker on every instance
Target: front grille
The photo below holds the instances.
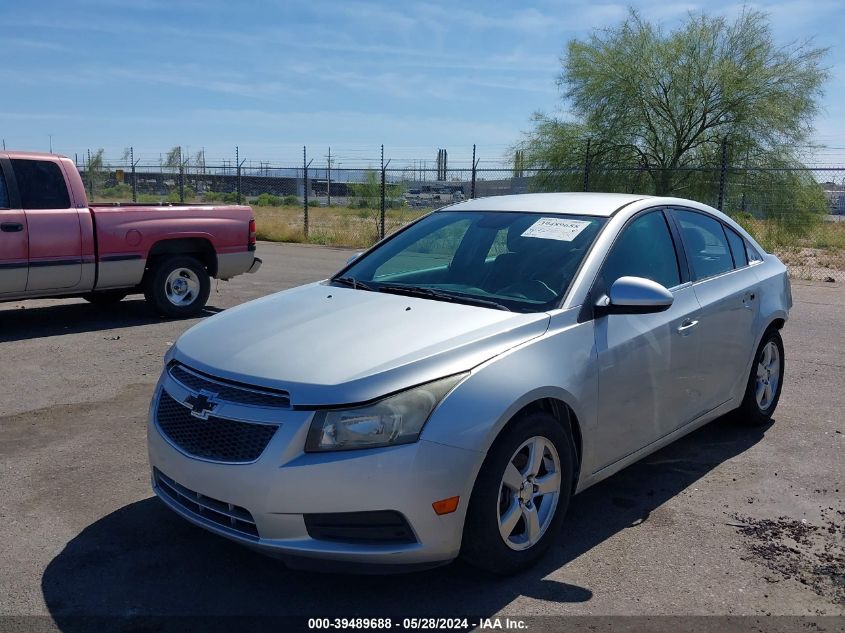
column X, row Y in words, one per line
column 228, row 391
column 380, row 526
column 216, row 439
column 221, row 513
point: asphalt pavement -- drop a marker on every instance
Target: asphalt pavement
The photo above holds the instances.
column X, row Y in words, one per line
column 726, row 521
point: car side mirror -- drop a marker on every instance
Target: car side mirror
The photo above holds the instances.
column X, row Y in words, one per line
column 354, row 257
column 635, row 295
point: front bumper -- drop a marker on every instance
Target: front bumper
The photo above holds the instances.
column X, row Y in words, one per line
column 285, row 483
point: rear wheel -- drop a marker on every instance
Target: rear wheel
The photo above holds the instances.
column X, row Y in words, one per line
column 520, row 496
column 105, row 297
column 177, row 286
column 765, row 382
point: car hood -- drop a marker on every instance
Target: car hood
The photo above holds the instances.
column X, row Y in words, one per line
column 333, row 345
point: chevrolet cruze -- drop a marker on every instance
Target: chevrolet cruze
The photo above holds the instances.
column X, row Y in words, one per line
column 448, row 391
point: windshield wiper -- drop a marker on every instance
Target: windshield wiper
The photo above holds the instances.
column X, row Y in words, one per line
column 431, row 293
column 353, row 283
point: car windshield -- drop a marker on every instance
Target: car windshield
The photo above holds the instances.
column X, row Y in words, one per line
column 518, row 261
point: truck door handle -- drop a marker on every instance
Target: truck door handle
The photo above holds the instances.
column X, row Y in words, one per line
column 687, row 325
column 11, row 227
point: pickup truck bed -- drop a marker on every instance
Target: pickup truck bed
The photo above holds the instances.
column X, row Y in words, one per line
column 54, row 243
column 128, row 234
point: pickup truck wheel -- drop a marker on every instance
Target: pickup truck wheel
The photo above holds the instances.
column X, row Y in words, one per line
column 105, row 297
column 177, row 286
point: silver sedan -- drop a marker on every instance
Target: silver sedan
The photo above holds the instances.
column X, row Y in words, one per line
column 449, row 390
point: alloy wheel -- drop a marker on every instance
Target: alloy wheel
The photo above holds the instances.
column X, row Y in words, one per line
column 528, row 493
column 182, row 287
column 768, row 375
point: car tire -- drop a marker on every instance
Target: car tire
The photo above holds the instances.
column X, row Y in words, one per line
column 105, row 297
column 765, row 382
column 492, row 501
column 177, row 286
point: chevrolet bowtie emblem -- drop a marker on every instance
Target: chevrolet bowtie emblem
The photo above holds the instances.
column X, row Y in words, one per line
column 202, row 404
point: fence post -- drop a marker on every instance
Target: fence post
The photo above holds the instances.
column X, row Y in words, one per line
column 238, row 172
column 90, row 178
column 723, row 174
column 304, row 193
column 587, row 167
column 134, row 178
column 474, row 165
column 181, row 177
column 381, row 219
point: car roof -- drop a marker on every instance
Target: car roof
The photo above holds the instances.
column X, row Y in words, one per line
column 582, row 203
column 12, row 154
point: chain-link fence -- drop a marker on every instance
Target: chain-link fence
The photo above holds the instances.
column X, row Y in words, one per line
column 793, row 212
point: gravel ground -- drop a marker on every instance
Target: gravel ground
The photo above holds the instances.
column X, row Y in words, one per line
column 726, row 521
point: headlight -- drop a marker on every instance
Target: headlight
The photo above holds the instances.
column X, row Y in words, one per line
column 397, row 419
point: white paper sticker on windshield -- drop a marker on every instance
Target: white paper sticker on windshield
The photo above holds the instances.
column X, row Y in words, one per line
column 556, row 229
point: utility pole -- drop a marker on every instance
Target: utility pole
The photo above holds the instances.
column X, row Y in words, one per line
column 51, row 143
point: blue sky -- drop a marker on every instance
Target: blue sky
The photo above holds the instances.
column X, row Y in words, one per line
column 272, row 76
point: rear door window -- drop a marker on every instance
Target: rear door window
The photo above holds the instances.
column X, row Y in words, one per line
column 41, row 184
column 753, row 255
column 705, row 243
column 737, row 248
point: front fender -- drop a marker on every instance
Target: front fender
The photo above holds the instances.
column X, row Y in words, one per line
column 561, row 364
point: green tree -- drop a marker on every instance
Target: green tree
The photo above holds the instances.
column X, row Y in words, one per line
column 664, row 102
column 367, row 194
column 96, row 174
column 173, row 158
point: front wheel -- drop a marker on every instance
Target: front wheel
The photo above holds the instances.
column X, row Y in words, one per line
column 765, row 382
column 520, row 496
column 177, row 286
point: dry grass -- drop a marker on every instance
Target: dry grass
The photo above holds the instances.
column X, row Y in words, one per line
column 815, row 250
column 810, row 251
column 820, row 246
column 335, row 226
column 776, row 236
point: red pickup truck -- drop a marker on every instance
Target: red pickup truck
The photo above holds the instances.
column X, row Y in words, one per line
column 53, row 243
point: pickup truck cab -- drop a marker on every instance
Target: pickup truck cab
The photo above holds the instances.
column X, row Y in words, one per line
column 53, row 243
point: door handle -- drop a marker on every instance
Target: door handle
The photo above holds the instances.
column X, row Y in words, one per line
column 687, row 325
column 11, row 227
